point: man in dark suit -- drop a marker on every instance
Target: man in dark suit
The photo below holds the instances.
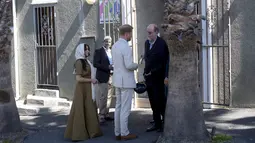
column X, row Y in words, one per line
column 103, row 63
column 156, row 58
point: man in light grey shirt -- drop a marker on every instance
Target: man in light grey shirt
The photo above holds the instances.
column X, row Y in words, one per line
column 124, row 82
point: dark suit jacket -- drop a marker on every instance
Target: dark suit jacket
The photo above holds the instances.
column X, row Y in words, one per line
column 156, row 59
column 101, row 62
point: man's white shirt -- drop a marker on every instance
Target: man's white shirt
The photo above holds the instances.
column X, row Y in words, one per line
column 109, row 54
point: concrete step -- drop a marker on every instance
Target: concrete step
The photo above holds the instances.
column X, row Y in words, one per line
column 65, row 104
column 47, row 93
column 34, row 110
column 47, row 101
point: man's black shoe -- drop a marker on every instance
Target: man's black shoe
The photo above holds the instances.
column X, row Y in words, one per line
column 160, row 130
column 152, row 128
column 109, row 118
column 152, row 121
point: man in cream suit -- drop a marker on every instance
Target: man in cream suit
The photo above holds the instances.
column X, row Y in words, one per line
column 124, row 82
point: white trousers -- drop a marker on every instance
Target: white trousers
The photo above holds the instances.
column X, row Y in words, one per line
column 122, row 110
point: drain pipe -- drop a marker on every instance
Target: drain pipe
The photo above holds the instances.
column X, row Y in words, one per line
column 229, row 54
column 210, row 63
column 204, row 55
column 16, row 51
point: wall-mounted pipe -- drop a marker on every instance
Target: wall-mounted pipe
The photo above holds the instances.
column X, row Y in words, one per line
column 229, row 54
column 16, row 51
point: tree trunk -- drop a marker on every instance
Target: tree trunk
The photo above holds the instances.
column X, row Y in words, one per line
column 184, row 119
column 9, row 116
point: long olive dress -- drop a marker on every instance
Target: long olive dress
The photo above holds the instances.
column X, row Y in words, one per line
column 83, row 121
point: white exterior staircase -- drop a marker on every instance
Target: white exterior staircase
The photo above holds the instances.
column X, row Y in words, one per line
column 42, row 102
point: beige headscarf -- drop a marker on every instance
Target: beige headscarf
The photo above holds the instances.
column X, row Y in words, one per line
column 79, row 53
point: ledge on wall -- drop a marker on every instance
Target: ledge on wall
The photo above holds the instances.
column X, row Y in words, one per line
column 36, row 2
column 88, row 37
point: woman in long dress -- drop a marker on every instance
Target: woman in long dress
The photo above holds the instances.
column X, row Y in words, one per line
column 83, row 122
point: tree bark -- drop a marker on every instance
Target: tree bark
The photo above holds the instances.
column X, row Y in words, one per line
column 184, row 119
column 184, row 122
column 9, row 116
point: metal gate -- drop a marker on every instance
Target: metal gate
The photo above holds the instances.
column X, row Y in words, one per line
column 46, row 47
column 111, row 20
column 216, row 52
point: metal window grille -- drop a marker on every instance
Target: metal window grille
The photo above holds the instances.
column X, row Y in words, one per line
column 46, row 47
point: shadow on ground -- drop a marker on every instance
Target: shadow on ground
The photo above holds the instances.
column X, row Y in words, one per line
column 239, row 123
column 50, row 128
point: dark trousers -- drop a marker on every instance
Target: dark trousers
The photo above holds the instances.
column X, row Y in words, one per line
column 156, row 93
column 166, row 91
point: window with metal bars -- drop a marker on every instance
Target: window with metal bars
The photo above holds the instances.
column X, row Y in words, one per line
column 46, row 47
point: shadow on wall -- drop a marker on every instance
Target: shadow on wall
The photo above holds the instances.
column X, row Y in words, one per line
column 73, row 29
column 25, row 26
column 69, row 32
column 243, row 53
column 19, row 5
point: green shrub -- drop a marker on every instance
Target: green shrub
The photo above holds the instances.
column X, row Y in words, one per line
column 221, row 138
column 6, row 141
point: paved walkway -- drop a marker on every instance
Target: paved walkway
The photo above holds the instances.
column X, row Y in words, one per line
column 239, row 123
column 52, row 127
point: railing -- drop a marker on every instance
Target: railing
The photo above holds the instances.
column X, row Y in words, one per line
column 220, row 75
column 216, row 52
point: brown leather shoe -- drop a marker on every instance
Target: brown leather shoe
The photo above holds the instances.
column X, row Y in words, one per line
column 118, row 138
column 129, row 137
